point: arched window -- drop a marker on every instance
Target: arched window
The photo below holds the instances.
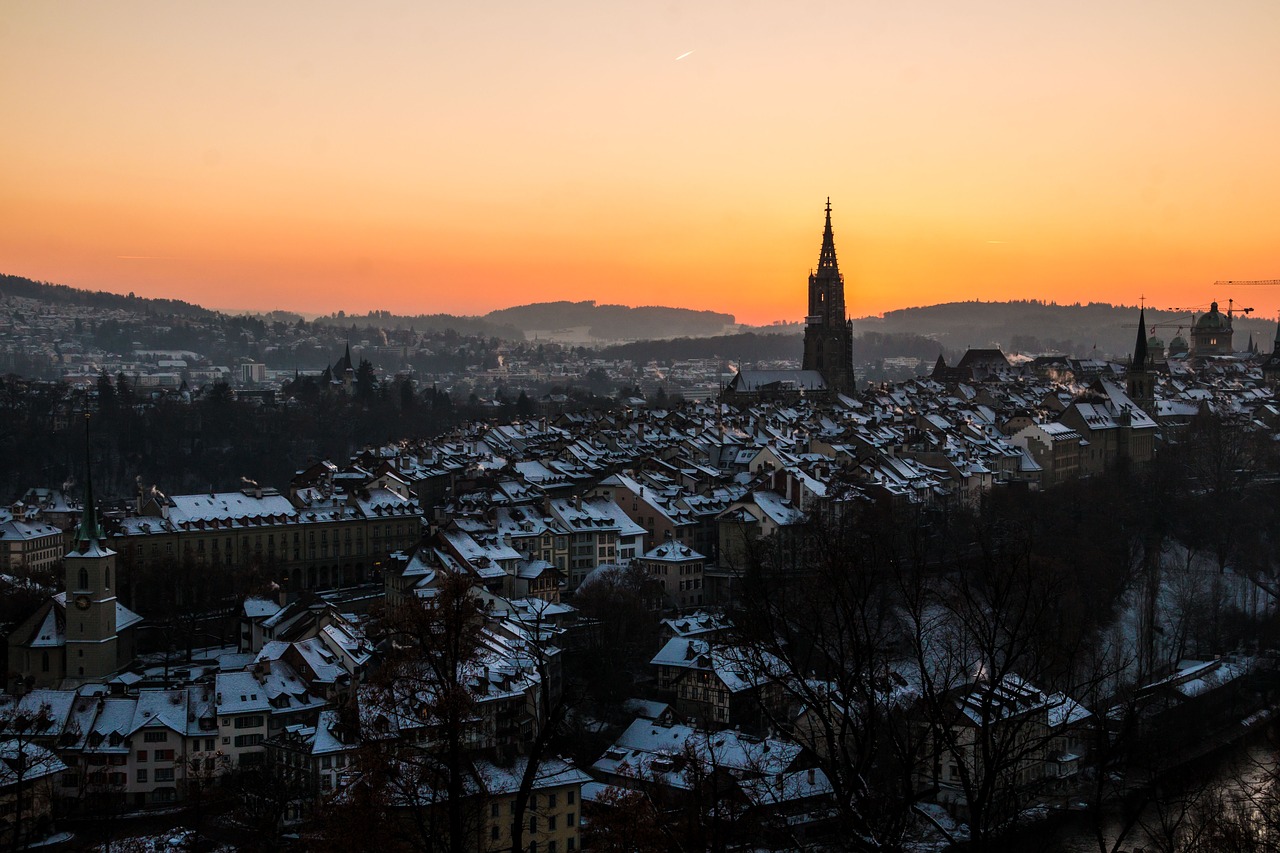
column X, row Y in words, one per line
column 84, row 578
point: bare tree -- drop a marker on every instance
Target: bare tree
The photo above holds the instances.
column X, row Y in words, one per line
column 419, row 717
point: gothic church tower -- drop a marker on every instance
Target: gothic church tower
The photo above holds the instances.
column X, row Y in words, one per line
column 1141, row 381
column 828, row 333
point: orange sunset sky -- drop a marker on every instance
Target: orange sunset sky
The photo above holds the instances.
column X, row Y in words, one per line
column 460, row 157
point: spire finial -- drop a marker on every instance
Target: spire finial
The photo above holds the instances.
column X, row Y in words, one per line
column 827, row 258
column 89, row 532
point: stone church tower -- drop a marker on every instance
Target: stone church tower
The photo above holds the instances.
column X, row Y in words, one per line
column 1140, row 382
column 91, row 636
column 828, row 333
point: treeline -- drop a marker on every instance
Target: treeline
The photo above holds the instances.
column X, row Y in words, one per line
column 611, row 322
column 60, row 294
column 751, row 347
column 436, row 323
column 214, row 440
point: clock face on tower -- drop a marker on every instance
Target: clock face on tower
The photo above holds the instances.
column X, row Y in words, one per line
column 82, row 601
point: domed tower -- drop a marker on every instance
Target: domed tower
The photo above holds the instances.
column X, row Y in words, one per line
column 1211, row 334
column 828, row 333
column 1155, row 349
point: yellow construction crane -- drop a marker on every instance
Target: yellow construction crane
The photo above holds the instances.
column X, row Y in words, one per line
column 1263, row 282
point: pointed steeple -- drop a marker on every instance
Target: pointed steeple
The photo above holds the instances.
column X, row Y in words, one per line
column 1275, row 345
column 89, row 531
column 1140, row 347
column 827, row 257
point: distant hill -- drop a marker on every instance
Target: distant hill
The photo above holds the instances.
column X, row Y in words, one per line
column 463, row 325
column 60, row 294
column 614, row 322
column 1028, row 326
column 1033, row 327
column 586, row 321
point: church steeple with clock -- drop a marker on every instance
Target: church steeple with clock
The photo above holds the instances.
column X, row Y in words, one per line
column 82, row 634
column 91, row 600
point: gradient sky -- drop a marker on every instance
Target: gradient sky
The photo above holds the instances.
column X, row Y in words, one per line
column 460, row 157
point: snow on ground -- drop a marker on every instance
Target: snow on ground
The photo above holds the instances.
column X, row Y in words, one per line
column 1188, row 580
column 165, row 842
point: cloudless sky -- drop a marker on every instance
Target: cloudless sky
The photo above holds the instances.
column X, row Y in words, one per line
column 453, row 156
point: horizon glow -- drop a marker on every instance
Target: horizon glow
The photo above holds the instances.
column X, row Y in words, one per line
column 459, row 158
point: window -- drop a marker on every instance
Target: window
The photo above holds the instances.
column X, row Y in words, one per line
column 106, row 578
column 142, row 756
column 568, row 797
column 248, row 740
column 493, row 812
column 326, row 762
column 208, row 744
column 551, row 824
column 155, row 737
column 533, row 824
column 44, row 661
column 164, row 774
column 164, row 755
column 253, row 722
column 571, row 844
column 493, row 832
column 84, row 578
column 142, row 774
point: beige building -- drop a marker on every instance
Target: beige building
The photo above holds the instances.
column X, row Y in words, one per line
column 679, row 570
column 29, row 546
column 315, row 541
column 1056, row 448
column 552, row 814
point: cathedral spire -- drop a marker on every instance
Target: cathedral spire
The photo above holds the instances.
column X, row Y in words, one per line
column 827, row 258
column 89, row 532
column 1140, row 346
